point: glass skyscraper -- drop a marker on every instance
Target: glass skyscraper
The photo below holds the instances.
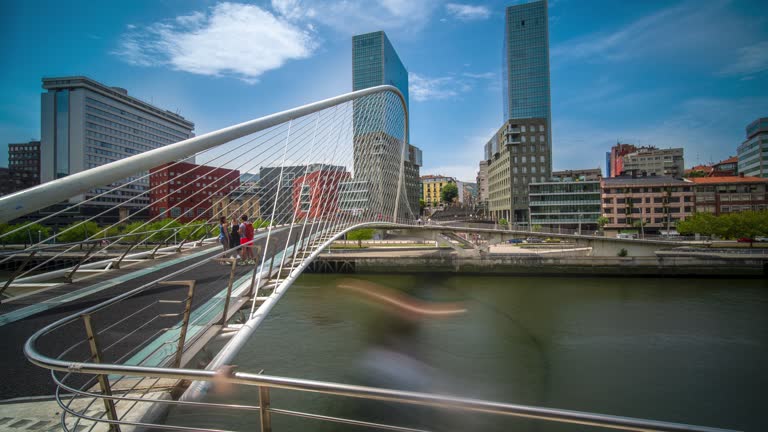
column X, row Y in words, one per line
column 375, row 62
column 526, row 62
column 520, row 153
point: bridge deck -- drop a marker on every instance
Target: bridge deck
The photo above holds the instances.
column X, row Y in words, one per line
column 21, row 378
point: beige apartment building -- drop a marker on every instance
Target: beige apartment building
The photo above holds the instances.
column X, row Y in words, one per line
column 656, row 203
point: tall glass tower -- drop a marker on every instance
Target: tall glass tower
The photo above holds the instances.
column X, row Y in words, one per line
column 520, row 153
column 375, row 62
column 377, row 150
column 526, row 62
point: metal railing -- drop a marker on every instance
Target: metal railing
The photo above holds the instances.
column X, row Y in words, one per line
column 266, row 383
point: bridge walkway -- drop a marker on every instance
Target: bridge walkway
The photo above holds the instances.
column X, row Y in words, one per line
column 22, row 379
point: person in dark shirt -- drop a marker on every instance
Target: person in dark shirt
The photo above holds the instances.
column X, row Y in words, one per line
column 234, row 237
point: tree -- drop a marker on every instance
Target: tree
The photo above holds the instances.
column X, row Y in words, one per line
column 602, row 221
column 78, row 231
column 422, row 204
column 29, row 233
column 449, row 192
column 502, row 221
column 697, row 173
column 640, row 224
column 360, row 235
column 193, row 231
column 749, row 224
column 137, row 230
column 168, row 227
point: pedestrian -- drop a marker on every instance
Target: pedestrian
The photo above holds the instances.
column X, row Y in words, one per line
column 234, row 238
column 246, row 240
column 223, row 234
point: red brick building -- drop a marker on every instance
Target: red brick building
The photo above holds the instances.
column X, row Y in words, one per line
column 317, row 194
column 186, row 191
column 616, row 158
column 725, row 168
column 720, row 195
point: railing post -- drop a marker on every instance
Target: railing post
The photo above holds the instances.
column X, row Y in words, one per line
column 16, row 273
column 266, row 416
column 106, row 390
column 185, row 321
column 229, row 289
column 70, row 276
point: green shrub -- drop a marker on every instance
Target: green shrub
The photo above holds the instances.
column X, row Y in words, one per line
column 623, row 252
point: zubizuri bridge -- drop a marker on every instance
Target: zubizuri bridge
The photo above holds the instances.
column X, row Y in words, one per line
column 119, row 335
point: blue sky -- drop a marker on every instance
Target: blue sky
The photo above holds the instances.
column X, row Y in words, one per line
column 668, row 73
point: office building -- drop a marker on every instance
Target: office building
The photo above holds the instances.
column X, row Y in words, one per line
column 589, row 174
column 276, row 188
column 517, row 155
column 753, row 153
column 186, row 191
column 525, row 78
column 653, row 161
column 85, row 124
column 645, row 203
column 432, row 188
column 566, row 204
column 482, row 183
column 615, row 159
column 377, row 146
column 23, row 165
column 520, row 152
column 316, row 194
column 721, row 195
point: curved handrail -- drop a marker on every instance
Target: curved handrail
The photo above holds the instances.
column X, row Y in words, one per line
column 20, row 203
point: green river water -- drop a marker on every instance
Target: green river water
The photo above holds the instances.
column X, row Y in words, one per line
column 682, row 350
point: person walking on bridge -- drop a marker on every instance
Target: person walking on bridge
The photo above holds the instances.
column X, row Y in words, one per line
column 234, row 238
column 246, row 240
column 223, row 233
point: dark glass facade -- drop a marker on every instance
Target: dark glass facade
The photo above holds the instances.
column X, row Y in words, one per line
column 61, row 141
column 526, row 62
column 375, row 62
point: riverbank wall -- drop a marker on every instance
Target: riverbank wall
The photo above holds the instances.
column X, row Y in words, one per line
column 662, row 266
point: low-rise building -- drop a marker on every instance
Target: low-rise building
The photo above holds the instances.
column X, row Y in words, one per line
column 614, row 159
column 24, row 165
column 186, row 191
column 653, row 161
column 721, row 195
column 316, row 194
column 482, row 183
column 649, row 203
column 753, row 153
column 589, row 174
column 565, row 204
column 725, row 168
column 432, row 188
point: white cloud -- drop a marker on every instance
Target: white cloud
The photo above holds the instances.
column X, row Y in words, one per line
column 422, row 88
column 354, row 17
column 484, row 75
column 230, row 39
column 752, row 59
column 466, row 12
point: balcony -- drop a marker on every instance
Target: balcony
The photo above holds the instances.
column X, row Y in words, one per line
column 566, row 202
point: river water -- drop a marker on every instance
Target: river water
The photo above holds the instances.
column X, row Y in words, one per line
column 682, row 350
